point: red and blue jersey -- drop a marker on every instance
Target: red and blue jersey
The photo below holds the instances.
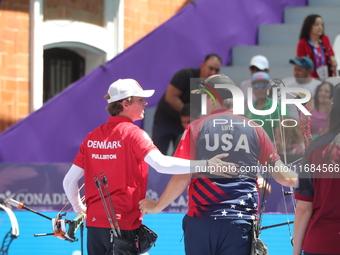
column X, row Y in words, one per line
column 248, row 145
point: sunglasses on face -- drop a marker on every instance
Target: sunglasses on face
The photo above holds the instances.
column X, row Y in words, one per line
column 257, row 86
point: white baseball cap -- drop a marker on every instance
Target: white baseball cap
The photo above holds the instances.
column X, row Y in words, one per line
column 124, row 88
column 261, row 62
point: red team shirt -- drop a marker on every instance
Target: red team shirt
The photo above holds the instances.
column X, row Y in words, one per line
column 118, row 148
column 225, row 198
column 319, row 183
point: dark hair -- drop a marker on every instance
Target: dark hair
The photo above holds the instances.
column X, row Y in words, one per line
column 115, row 108
column 207, row 57
column 334, row 126
column 307, row 26
column 334, row 119
column 334, row 115
column 316, row 98
column 255, row 69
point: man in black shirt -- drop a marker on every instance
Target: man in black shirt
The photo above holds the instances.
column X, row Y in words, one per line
column 167, row 123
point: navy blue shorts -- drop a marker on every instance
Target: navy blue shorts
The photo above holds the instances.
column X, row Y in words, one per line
column 216, row 237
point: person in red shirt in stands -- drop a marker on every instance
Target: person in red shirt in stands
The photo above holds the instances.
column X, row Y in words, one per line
column 316, row 45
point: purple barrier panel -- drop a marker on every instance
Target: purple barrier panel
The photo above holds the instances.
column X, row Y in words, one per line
column 38, row 186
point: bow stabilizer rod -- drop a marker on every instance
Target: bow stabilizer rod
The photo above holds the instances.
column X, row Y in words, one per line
column 19, row 205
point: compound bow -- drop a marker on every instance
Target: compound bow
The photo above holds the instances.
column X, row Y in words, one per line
column 305, row 129
column 59, row 225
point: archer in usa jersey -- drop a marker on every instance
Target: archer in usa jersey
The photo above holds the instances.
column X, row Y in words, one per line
column 248, row 146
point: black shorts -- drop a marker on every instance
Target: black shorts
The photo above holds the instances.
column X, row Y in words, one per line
column 98, row 240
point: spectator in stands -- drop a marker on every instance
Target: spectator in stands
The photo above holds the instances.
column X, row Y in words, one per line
column 316, row 45
column 258, row 63
column 303, row 67
column 260, row 84
column 321, row 107
column 167, row 124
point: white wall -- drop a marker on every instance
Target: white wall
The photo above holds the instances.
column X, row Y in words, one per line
column 95, row 44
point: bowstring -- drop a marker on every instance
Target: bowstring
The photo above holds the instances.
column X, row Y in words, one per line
column 304, row 122
column 305, row 126
column 278, row 84
column 59, row 215
column 263, row 195
column 284, row 153
column 57, row 218
column 68, row 202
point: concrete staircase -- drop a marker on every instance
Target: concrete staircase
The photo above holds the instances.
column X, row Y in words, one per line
column 278, row 42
